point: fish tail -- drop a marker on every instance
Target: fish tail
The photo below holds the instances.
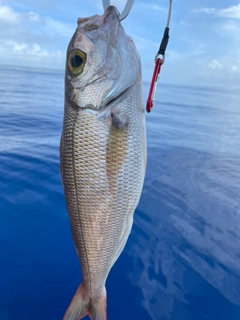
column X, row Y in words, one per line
column 97, row 310
column 81, row 305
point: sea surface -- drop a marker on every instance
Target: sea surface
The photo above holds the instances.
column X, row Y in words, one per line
column 182, row 259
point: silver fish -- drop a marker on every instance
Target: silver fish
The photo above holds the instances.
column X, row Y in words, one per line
column 102, row 151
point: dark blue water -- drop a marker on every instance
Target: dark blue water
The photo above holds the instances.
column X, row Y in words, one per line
column 182, row 260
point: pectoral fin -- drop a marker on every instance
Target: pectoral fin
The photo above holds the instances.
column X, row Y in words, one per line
column 119, row 120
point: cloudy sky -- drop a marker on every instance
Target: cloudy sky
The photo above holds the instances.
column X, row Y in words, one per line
column 204, row 44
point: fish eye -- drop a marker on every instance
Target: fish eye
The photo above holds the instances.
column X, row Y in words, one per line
column 76, row 61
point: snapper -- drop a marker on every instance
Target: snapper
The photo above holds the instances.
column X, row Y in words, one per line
column 102, row 151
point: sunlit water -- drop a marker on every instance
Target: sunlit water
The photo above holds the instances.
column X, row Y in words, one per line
column 182, row 260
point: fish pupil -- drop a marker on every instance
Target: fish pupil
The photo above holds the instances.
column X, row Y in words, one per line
column 76, row 61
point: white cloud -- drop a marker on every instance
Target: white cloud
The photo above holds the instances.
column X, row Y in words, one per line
column 224, row 50
column 15, row 46
column 23, row 54
column 33, row 23
column 232, row 12
column 7, row 15
column 34, row 16
column 231, row 28
column 153, row 6
column 23, row 49
column 189, row 56
column 29, row 39
column 147, row 44
column 236, row 68
column 58, row 27
column 184, row 23
column 37, row 33
column 214, row 64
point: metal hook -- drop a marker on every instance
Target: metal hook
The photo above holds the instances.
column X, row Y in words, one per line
column 126, row 10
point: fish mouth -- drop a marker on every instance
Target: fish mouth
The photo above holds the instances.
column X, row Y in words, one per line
column 109, row 10
column 94, row 22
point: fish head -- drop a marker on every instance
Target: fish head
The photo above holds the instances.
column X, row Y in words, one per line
column 101, row 63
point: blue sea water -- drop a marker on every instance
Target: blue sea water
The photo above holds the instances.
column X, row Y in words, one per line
column 182, row 260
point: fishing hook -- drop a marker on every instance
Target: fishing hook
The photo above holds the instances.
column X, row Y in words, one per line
column 126, row 10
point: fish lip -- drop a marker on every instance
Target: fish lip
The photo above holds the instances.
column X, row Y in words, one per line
column 109, row 10
column 105, row 15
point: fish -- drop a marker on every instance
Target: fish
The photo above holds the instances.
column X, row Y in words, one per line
column 102, row 151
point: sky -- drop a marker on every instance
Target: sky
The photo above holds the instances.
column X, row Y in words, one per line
column 204, row 44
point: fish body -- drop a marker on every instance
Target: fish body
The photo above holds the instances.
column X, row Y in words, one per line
column 102, row 151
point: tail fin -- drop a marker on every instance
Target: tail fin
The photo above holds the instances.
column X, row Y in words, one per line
column 82, row 305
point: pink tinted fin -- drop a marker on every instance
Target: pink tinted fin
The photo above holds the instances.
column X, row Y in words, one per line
column 82, row 305
column 98, row 310
column 78, row 307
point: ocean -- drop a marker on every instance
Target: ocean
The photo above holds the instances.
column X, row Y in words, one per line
column 182, row 259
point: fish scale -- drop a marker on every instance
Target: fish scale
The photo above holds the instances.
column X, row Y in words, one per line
column 103, row 161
